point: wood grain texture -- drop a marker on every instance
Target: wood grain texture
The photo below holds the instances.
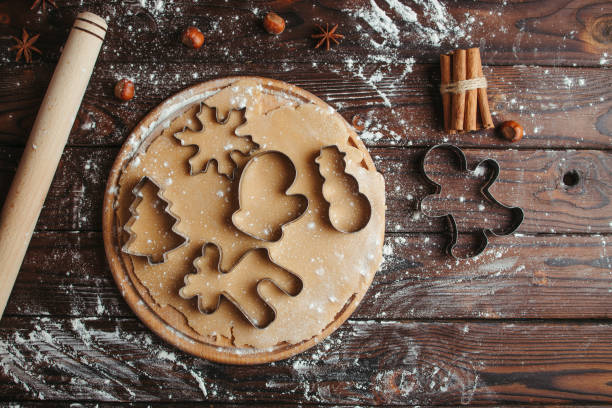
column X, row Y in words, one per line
column 418, row 363
column 558, row 32
column 555, row 277
column 174, row 404
column 88, row 404
column 532, row 179
column 557, row 107
column 527, row 322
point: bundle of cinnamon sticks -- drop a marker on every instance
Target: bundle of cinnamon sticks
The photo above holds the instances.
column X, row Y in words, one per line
column 464, row 91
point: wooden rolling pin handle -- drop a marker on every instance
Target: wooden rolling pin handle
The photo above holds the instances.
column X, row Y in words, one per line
column 44, row 147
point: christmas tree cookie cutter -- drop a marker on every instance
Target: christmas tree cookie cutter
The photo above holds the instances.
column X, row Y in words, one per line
column 138, row 197
column 209, row 283
column 517, row 213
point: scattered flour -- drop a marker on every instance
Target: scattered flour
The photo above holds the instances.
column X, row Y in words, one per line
column 200, row 382
column 100, row 309
column 78, row 351
column 385, row 26
column 391, row 23
column 153, row 6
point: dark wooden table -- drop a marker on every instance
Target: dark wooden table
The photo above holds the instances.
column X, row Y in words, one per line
column 527, row 322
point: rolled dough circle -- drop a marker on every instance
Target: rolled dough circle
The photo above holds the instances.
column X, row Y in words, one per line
column 167, row 320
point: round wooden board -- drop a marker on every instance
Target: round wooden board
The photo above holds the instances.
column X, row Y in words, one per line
column 165, row 321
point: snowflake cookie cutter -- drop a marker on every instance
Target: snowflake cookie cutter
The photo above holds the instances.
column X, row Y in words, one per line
column 187, row 292
column 219, row 122
column 518, row 214
column 137, row 192
column 327, row 197
column 236, row 216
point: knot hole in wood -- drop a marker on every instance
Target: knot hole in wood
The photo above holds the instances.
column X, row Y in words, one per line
column 571, row 178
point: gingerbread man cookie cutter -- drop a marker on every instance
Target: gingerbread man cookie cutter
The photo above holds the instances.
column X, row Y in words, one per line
column 517, row 213
column 137, row 192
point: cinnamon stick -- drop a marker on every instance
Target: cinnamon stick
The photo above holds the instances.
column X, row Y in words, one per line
column 445, row 75
column 458, row 99
column 483, row 99
column 471, row 104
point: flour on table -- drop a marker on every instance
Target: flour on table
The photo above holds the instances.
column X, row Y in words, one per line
column 394, row 22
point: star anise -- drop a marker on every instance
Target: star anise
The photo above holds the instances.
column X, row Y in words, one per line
column 327, row 35
column 25, row 46
column 38, row 2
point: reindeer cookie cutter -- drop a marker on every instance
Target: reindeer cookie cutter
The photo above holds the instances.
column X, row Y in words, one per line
column 137, row 192
column 187, row 293
column 517, row 213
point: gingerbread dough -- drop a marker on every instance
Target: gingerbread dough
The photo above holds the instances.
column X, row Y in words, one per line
column 263, row 265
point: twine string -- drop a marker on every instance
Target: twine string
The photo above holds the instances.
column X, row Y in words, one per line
column 463, row 85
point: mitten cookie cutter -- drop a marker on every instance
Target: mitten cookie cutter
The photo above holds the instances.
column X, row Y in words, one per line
column 227, row 295
column 517, row 213
column 236, row 222
column 137, row 192
column 326, row 195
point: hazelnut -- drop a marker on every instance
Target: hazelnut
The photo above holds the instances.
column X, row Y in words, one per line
column 124, row 90
column 358, row 124
column 193, row 37
column 5, row 18
column 273, row 23
column 511, row 130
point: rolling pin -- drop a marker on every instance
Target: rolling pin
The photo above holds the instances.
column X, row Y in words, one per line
column 45, row 145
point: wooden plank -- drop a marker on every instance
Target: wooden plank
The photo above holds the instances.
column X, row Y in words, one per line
column 174, row 404
column 69, row 337
column 555, row 277
column 88, row 404
column 532, row 179
column 75, row 197
column 558, row 107
column 364, row 362
column 556, row 33
column 519, row 277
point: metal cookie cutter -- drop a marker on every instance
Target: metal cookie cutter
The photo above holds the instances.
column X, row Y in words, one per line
column 227, row 153
column 137, row 191
column 326, row 191
column 517, row 213
column 208, row 291
column 238, row 217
